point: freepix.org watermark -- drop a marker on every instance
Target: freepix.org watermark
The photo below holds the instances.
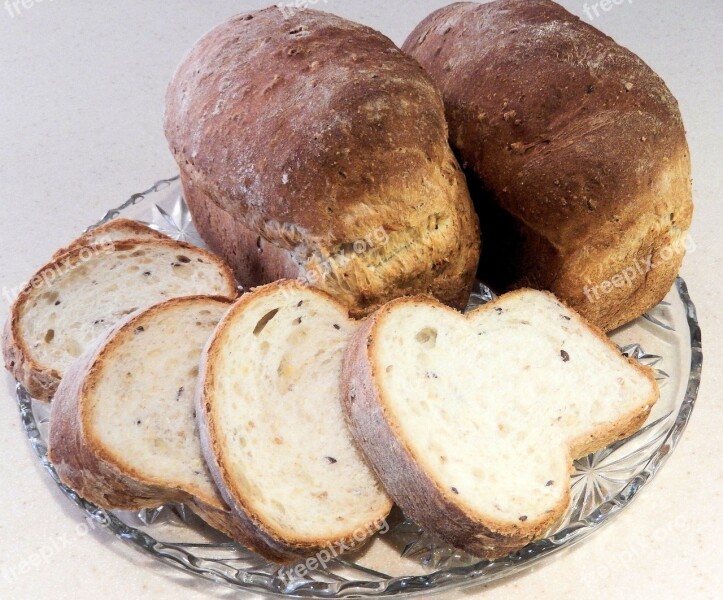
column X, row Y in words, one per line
column 324, row 556
column 48, row 276
column 289, row 9
column 313, row 276
column 16, row 7
column 639, row 268
column 48, row 551
column 592, row 11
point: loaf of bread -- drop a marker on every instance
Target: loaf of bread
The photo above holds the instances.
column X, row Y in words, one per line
column 76, row 297
column 311, row 147
column 272, row 429
column 471, row 421
column 575, row 149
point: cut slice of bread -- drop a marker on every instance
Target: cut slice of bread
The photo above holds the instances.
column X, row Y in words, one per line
column 472, row 421
column 272, row 427
column 113, row 231
column 75, row 298
column 123, row 431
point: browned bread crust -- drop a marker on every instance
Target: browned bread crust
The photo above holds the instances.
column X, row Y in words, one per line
column 251, row 257
column 302, row 140
column 105, row 234
column 579, row 148
column 39, row 382
column 411, row 485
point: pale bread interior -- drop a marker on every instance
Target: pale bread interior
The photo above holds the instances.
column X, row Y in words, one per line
column 83, row 299
column 278, row 418
column 491, row 404
column 141, row 409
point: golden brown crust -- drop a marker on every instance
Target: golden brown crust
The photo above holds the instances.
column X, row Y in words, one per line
column 133, row 228
column 402, row 472
column 241, row 530
column 40, row 381
column 578, row 142
column 257, row 533
column 314, row 134
column 254, row 260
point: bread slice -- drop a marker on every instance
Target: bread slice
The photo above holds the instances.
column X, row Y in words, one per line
column 77, row 296
column 124, row 438
column 472, row 421
column 113, row 231
column 272, row 428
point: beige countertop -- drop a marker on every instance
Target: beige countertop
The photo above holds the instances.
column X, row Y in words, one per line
column 81, row 98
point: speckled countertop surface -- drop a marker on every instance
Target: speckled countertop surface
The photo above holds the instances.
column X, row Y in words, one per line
column 81, row 98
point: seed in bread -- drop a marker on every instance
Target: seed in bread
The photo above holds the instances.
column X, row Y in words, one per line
column 472, row 421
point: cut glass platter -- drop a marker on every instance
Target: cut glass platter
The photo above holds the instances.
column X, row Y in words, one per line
column 406, row 560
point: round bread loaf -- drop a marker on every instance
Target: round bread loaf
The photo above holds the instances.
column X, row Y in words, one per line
column 576, row 154
column 312, row 147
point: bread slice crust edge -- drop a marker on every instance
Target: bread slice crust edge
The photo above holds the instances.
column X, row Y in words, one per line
column 136, row 229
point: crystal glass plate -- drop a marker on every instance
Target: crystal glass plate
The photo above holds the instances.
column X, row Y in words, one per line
column 408, row 560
